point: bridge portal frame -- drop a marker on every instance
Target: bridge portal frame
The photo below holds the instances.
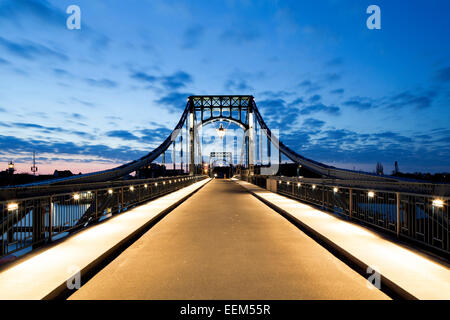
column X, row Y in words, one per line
column 211, row 108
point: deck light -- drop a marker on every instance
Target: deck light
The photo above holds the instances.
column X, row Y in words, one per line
column 299, row 184
column 145, row 186
column 13, row 206
column 313, row 186
column 156, row 184
column 110, row 191
column 335, row 189
column 76, row 196
column 371, row 194
column 131, row 188
column 438, row 203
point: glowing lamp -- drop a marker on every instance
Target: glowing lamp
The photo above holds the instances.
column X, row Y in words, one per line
column 221, row 131
column 438, row 203
column 12, row 206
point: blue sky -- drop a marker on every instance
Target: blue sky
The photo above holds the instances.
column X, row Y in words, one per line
column 338, row 92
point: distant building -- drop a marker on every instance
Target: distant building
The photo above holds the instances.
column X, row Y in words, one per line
column 379, row 168
column 62, row 173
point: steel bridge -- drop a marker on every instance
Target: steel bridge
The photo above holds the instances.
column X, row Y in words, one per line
column 412, row 213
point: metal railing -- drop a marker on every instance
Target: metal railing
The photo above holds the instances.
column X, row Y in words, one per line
column 422, row 218
column 26, row 223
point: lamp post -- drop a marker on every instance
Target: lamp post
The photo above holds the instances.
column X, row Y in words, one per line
column 11, row 172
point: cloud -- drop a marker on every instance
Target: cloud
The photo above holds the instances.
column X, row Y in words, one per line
column 61, row 72
column 173, row 81
column 313, row 123
column 192, row 36
column 48, row 130
column 240, row 86
column 17, row 146
column 4, row 62
column 407, row 98
column 348, row 148
column 174, row 101
column 40, row 9
column 443, row 74
column 314, row 98
column 309, row 86
column 101, row 83
column 142, row 76
column 30, row 50
column 276, row 94
column 320, row 107
column 176, row 80
column 239, row 36
column 334, row 62
column 83, row 102
column 122, row 134
column 21, row 12
column 337, row 91
column 296, row 102
column 360, row 103
column 278, row 115
column 332, row 77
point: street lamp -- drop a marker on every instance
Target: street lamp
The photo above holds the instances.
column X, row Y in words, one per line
column 221, row 131
column 11, row 167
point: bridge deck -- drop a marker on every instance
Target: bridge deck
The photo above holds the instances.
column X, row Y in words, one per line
column 43, row 273
column 223, row 243
column 409, row 269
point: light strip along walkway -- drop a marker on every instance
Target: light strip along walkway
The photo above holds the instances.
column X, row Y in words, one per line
column 415, row 273
column 40, row 275
column 223, row 243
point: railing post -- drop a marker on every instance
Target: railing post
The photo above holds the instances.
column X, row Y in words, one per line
column 323, row 197
column 96, row 205
column 50, row 220
column 121, row 199
column 37, row 224
column 350, row 204
column 398, row 213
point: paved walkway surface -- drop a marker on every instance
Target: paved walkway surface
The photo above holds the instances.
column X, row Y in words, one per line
column 223, row 243
column 36, row 277
column 412, row 271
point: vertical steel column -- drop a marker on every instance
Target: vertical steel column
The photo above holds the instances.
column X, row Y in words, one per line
column 398, row 214
column 181, row 151
column 191, row 138
column 173, row 154
column 251, row 147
